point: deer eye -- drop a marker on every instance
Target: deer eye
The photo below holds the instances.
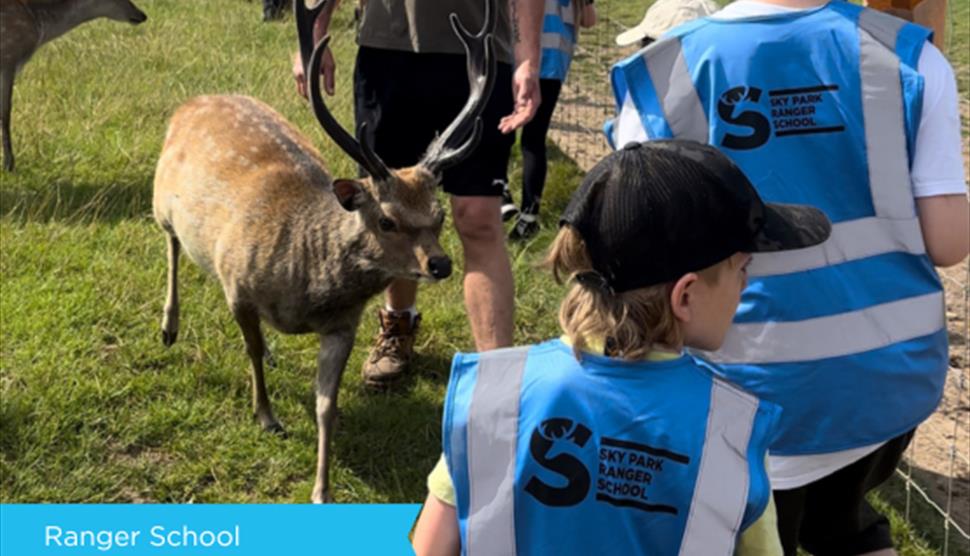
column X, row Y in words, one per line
column 386, row 224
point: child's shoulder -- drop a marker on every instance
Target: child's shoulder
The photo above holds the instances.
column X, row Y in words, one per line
column 717, row 373
column 474, row 358
column 553, row 344
column 715, row 23
column 704, row 365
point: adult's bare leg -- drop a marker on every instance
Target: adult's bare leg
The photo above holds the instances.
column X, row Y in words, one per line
column 488, row 282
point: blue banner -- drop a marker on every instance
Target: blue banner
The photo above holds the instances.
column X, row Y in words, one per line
column 205, row 529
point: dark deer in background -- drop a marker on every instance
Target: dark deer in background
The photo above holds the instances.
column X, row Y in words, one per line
column 250, row 200
column 25, row 25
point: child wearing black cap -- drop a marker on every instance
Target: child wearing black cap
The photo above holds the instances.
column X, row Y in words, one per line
column 612, row 439
column 855, row 112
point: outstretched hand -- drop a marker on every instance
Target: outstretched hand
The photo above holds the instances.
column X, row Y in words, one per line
column 327, row 69
column 525, row 91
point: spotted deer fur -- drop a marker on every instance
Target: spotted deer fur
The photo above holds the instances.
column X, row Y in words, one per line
column 250, row 200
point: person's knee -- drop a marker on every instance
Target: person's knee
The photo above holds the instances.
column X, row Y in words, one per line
column 478, row 220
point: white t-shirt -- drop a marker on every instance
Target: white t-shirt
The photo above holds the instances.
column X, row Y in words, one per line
column 937, row 170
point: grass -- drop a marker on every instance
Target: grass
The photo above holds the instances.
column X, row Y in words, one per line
column 957, row 46
column 93, row 408
column 924, row 531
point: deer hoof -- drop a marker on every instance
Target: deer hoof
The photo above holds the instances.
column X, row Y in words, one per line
column 168, row 338
column 322, row 498
column 276, row 428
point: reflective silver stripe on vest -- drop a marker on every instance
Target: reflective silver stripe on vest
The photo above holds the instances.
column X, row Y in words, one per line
column 882, row 26
column 850, row 241
column 568, row 14
column 555, row 41
column 492, row 431
column 895, row 227
column 867, row 329
column 882, row 108
column 721, row 491
column 675, row 90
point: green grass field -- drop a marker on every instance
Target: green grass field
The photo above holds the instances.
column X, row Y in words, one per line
column 94, row 408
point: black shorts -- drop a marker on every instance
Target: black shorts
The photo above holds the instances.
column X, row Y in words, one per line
column 407, row 98
column 831, row 517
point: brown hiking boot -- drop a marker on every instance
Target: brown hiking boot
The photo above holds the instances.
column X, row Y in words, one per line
column 389, row 358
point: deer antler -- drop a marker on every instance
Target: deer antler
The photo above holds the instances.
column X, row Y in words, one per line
column 480, row 62
column 359, row 149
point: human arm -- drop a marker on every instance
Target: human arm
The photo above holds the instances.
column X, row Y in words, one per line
column 526, row 23
column 938, row 167
column 945, row 221
column 436, row 533
column 587, row 15
column 761, row 538
column 327, row 64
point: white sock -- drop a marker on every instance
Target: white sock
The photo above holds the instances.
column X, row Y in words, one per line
column 526, row 217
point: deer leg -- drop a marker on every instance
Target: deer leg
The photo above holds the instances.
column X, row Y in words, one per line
column 334, row 350
column 170, row 319
column 6, row 98
column 248, row 321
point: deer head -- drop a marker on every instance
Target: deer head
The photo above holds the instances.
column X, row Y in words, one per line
column 399, row 206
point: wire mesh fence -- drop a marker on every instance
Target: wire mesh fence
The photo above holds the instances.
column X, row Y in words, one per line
column 933, row 492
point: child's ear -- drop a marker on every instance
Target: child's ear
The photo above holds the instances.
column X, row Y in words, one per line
column 680, row 296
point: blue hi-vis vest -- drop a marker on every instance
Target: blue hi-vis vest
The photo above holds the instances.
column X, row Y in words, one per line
column 549, row 455
column 558, row 39
column 818, row 107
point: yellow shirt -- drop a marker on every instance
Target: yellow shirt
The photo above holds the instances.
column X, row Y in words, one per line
column 760, row 539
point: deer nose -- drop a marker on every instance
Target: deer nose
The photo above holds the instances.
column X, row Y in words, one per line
column 439, row 267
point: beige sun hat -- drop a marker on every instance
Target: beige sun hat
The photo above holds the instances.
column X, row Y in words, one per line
column 664, row 15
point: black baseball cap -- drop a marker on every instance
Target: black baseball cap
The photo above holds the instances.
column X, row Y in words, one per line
column 651, row 212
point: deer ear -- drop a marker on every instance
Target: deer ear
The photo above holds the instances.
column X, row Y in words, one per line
column 349, row 194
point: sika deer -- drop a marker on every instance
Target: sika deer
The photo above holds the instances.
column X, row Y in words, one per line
column 25, row 25
column 250, row 201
